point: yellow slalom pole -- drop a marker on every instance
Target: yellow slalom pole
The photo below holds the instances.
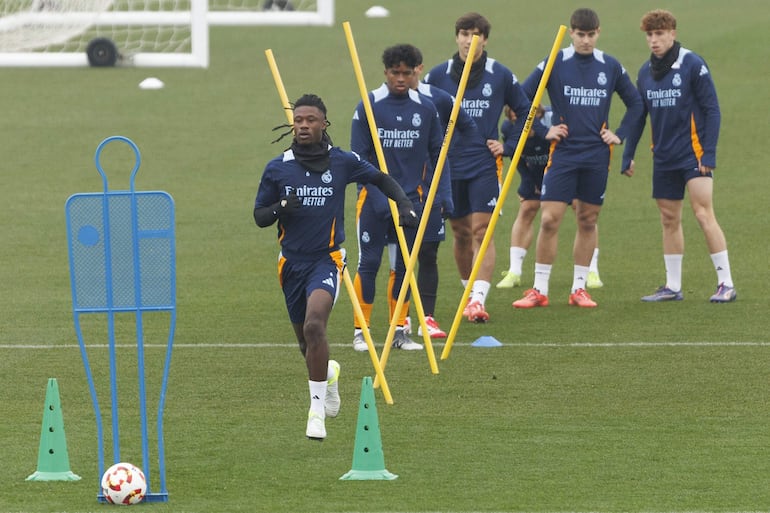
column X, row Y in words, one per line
column 345, row 275
column 394, row 214
column 434, row 183
column 504, row 191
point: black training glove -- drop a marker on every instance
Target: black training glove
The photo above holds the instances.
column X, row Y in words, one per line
column 287, row 205
column 407, row 217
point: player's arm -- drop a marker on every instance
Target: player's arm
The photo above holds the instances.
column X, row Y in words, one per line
column 266, row 209
column 287, row 205
column 634, row 106
column 390, row 188
column 635, row 129
column 706, row 97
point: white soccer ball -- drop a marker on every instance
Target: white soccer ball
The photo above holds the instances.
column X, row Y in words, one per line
column 124, row 484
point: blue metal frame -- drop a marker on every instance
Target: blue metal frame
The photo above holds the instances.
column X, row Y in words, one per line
column 100, row 290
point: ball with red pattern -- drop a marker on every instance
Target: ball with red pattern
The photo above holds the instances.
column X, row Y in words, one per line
column 124, row 483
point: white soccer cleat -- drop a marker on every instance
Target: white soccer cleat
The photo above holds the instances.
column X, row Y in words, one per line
column 316, row 429
column 402, row 341
column 332, row 399
column 359, row 343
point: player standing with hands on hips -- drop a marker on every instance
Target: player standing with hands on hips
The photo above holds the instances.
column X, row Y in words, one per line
column 303, row 189
column 581, row 86
column 680, row 97
column 476, row 174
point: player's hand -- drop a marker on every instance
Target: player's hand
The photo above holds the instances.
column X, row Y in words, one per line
column 629, row 171
column 704, row 170
column 407, row 217
column 288, row 204
column 495, row 147
column 557, row 132
column 609, row 137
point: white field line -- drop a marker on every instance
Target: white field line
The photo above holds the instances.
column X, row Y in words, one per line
column 258, row 345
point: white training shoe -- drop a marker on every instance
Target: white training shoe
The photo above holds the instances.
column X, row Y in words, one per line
column 359, row 343
column 401, row 341
column 332, row 399
column 316, row 430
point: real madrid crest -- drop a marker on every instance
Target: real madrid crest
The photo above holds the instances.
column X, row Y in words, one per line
column 326, row 177
column 416, row 119
column 677, row 80
column 487, row 90
column 602, row 78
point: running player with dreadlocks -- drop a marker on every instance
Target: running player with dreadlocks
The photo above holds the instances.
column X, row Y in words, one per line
column 303, row 189
column 476, row 174
column 410, row 133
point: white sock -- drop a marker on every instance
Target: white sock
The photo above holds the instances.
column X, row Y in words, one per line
column 722, row 266
column 579, row 277
column 317, row 396
column 594, row 267
column 517, row 259
column 542, row 276
column 464, row 282
column 480, row 291
column 673, row 271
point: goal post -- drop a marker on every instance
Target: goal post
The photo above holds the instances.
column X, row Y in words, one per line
column 144, row 33
column 43, row 33
column 271, row 12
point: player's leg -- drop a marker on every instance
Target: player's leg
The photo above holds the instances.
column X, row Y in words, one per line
column 668, row 190
column 400, row 339
column 522, row 233
column 322, row 290
column 371, row 229
column 586, row 215
column 559, row 189
column 700, row 190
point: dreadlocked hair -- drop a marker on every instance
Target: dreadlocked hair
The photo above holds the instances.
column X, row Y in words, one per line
column 310, row 100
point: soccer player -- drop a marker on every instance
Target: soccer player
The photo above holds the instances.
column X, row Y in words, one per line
column 303, row 189
column 476, row 172
column 411, row 136
column 681, row 99
column 580, row 87
column 531, row 166
column 427, row 277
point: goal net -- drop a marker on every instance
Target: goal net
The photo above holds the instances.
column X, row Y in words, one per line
column 151, row 33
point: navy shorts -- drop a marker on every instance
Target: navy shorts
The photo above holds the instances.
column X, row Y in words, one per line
column 299, row 278
column 565, row 182
column 671, row 184
column 435, row 231
column 531, row 183
column 475, row 195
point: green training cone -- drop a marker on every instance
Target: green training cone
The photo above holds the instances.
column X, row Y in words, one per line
column 368, row 459
column 53, row 463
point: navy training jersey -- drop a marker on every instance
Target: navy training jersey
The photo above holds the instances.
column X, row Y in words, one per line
column 319, row 225
column 684, row 114
column 411, row 136
column 580, row 89
column 484, row 103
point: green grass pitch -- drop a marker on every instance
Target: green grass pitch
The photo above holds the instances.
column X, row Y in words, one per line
column 628, row 407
